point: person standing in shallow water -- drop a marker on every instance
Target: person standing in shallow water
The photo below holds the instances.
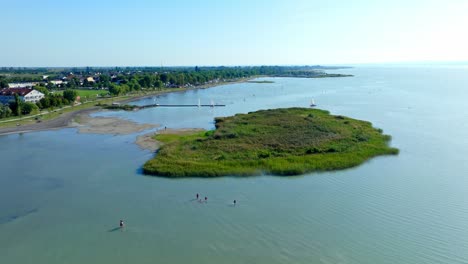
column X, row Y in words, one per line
column 206, row 199
column 234, row 202
column 121, row 224
column 197, row 196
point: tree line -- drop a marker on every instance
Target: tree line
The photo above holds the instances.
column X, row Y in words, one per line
column 148, row 77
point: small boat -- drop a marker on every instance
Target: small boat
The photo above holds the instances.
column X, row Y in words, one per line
column 199, row 103
column 212, row 103
column 312, row 103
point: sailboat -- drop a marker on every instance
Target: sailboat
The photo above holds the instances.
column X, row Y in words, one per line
column 212, row 103
column 312, row 103
column 199, row 103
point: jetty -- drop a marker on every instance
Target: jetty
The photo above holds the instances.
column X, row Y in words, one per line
column 127, row 107
column 180, row 105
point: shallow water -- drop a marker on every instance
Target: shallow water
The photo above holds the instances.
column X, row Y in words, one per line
column 62, row 193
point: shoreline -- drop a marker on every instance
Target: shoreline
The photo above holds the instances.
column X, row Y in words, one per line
column 66, row 120
column 108, row 125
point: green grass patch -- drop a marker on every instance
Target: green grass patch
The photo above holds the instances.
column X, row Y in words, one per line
column 92, row 93
column 289, row 141
column 89, row 94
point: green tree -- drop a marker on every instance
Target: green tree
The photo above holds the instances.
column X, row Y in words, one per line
column 124, row 89
column 146, row 81
column 5, row 111
column 3, row 82
column 45, row 102
column 114, row 89
column 86, row 83
column 164, row 77
column 158, row 84
column 42, row 89
column 70, row 95
column 29, row 108
column 18, row 103
column 73, row 83
column 50, row 86
column 104, row 78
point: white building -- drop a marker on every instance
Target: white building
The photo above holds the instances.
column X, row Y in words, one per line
column 22, row 84
column 25, row 94
column 58, row 82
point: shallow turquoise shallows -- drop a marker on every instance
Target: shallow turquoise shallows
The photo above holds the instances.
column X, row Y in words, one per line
column 62, row 194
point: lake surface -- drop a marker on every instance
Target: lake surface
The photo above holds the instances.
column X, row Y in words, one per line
column 62, row 194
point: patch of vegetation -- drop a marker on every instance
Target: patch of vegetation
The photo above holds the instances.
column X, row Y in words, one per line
column 125, row 107
column 288, row 141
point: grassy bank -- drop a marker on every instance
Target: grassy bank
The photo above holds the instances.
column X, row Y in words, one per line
column 281, row 142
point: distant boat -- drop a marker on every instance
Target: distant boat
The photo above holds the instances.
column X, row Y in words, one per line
column 212, row 103
column 199, row 103
column 312, row 103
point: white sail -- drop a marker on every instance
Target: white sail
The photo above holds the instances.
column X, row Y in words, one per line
column 199, row 103
column 312, row 103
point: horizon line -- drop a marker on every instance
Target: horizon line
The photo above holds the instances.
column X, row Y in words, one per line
column 252, row 65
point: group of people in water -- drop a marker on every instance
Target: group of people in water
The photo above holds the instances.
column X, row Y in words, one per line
column 122, row 224
column 199, row 199
column 206, row 199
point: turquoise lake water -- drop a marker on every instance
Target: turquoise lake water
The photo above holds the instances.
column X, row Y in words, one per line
column 62, row 194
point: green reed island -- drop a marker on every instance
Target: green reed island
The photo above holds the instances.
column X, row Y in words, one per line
column 288, row 141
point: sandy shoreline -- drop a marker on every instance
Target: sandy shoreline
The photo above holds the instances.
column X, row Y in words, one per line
column 107, row 125
column 67, row 119
column 62, row 121
column 82, row 120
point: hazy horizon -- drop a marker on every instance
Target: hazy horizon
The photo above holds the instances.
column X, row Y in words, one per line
column 208, row 33
column 400, row 63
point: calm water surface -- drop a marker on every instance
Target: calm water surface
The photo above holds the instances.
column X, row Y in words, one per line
column 63, row 193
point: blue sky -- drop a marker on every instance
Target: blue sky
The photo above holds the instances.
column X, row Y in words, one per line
column 241, row 32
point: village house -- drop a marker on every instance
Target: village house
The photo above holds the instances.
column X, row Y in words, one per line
column 25, row 94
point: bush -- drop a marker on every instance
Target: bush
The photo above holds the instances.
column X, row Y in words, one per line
column 70, row 95
column 29, row 108
column 5, row 111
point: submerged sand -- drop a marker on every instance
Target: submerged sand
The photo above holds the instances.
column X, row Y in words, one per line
column 108, row 125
